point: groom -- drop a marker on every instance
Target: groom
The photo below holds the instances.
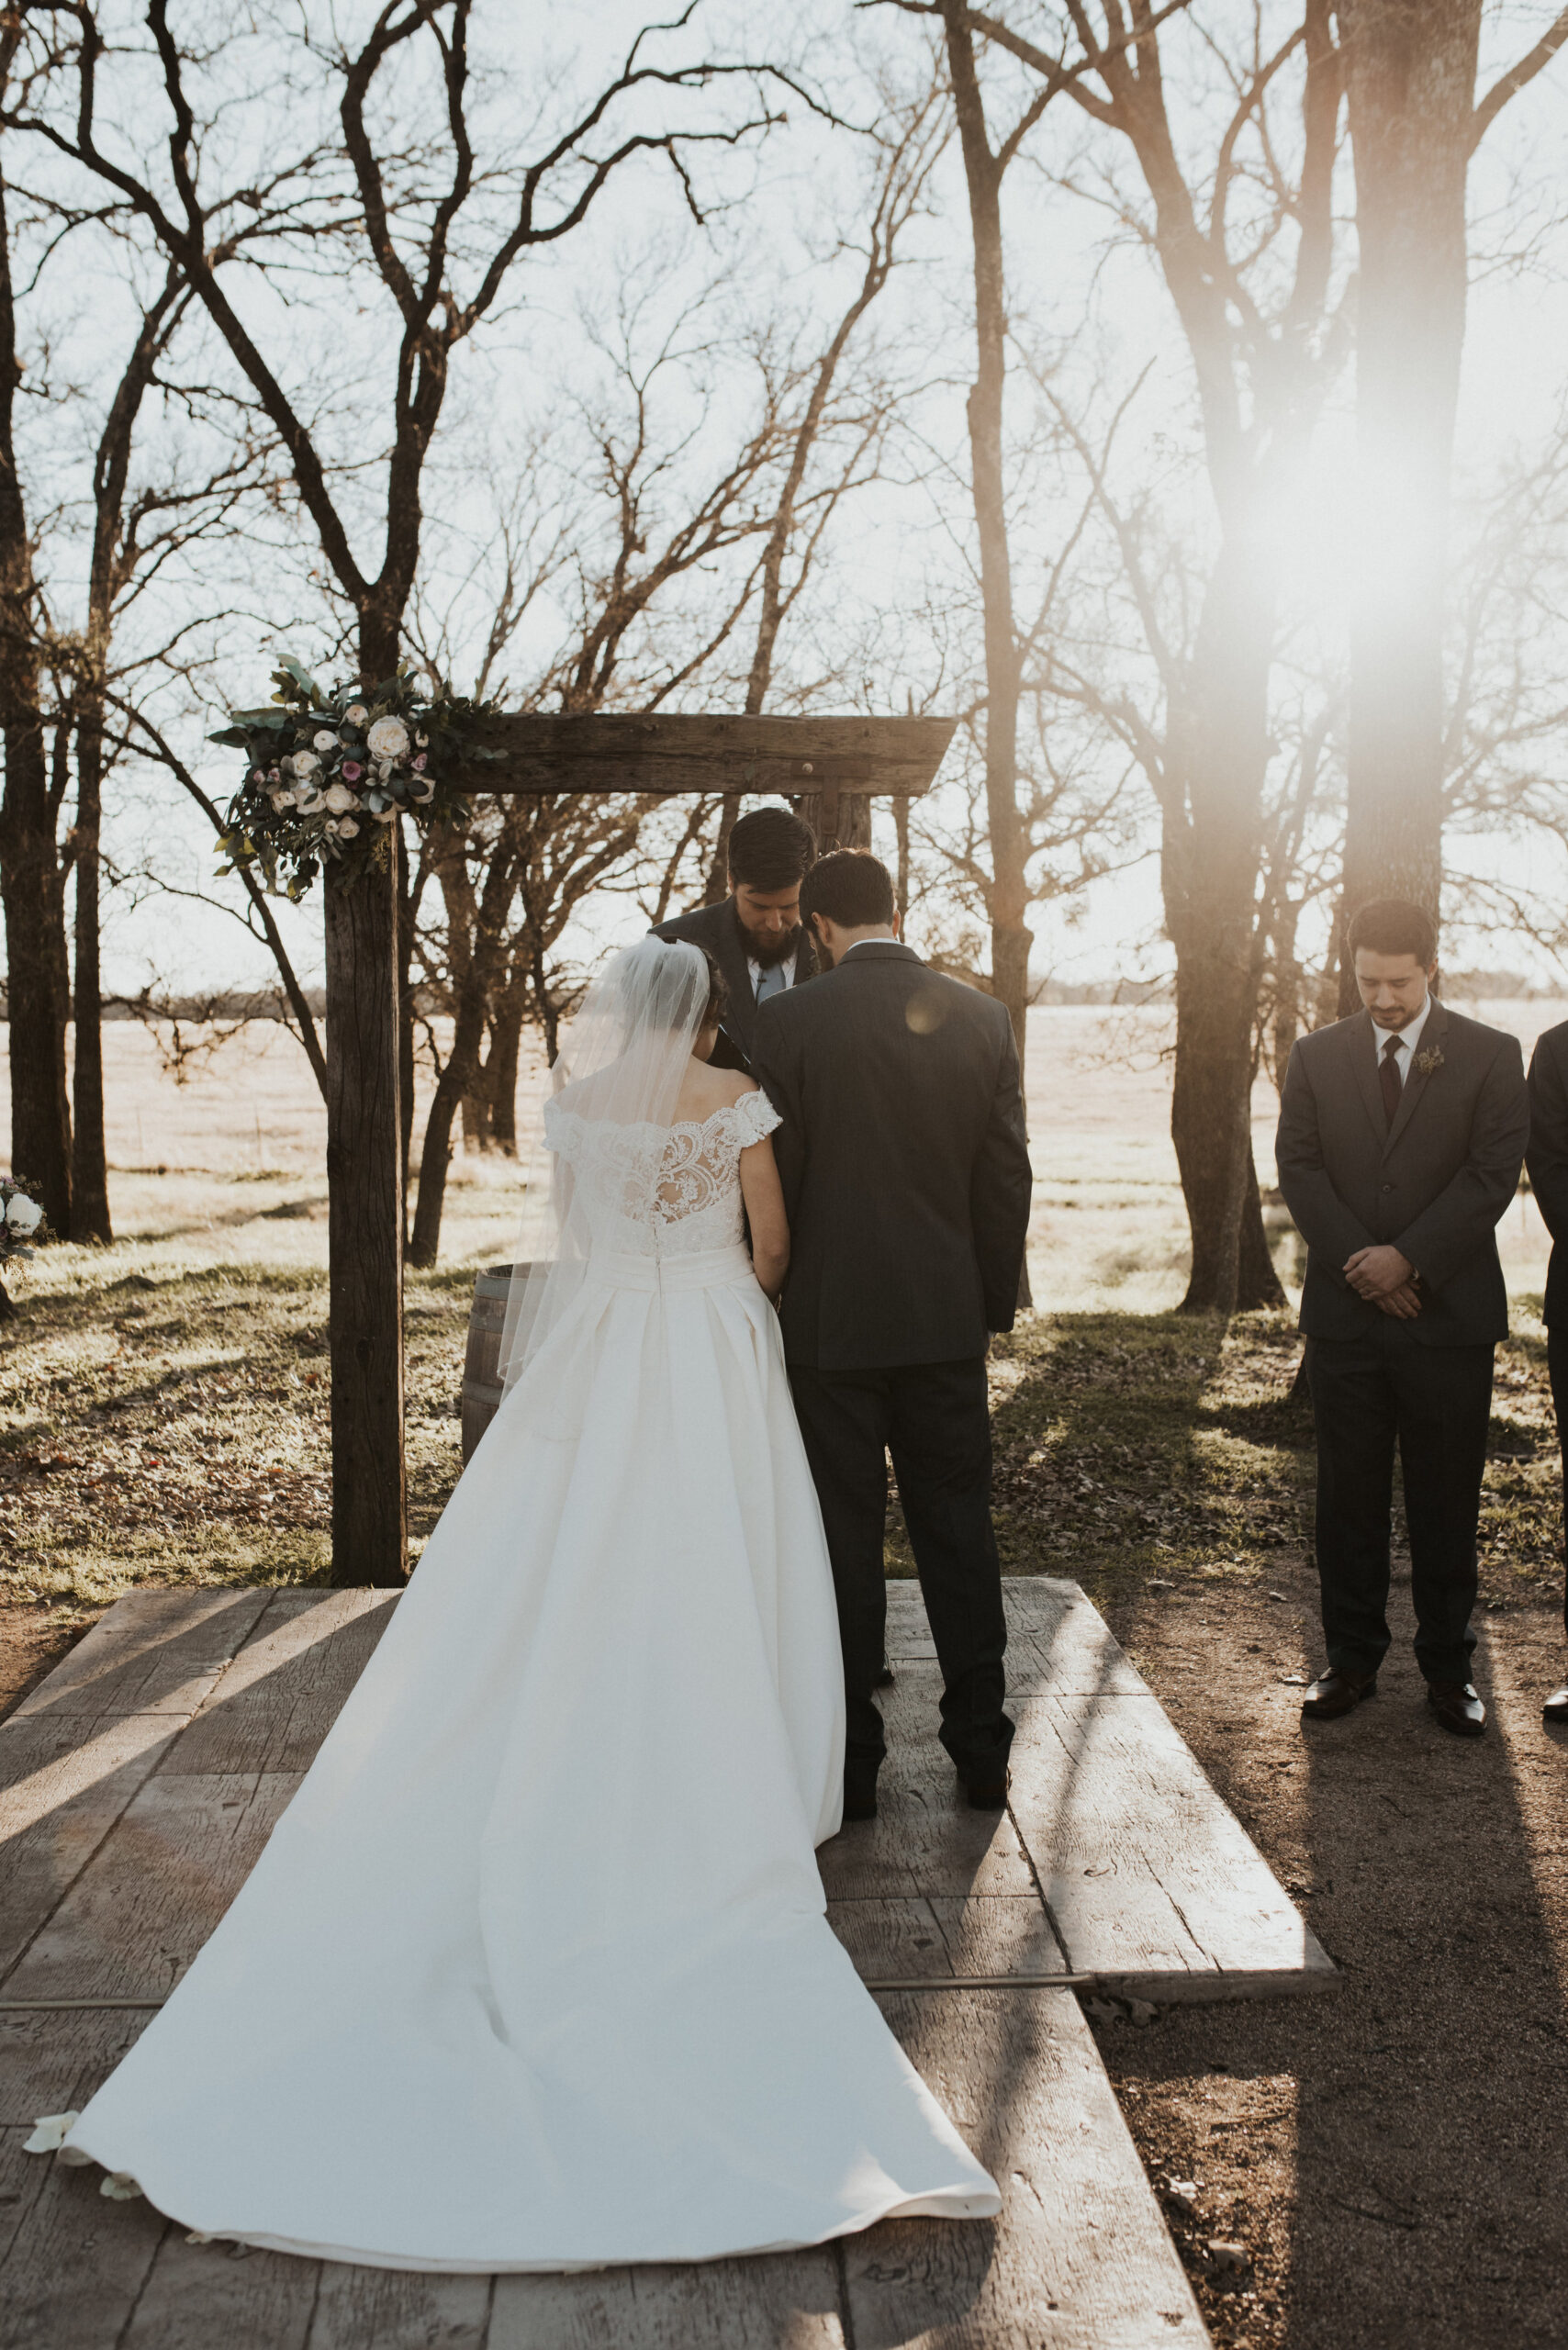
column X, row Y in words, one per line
column 906, row 1178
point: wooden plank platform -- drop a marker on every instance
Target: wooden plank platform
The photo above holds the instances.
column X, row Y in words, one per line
column 140, row 1781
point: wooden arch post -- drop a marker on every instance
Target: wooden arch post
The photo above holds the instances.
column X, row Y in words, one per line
column 830, row 767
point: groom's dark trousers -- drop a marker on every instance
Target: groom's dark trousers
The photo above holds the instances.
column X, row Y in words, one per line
column 1432, row 1181
column 906, row 1178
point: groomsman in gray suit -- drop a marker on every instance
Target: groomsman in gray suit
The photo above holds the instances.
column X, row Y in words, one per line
column 1401, row 1135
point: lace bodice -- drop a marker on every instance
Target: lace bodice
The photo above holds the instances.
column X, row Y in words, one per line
column 661, row 1191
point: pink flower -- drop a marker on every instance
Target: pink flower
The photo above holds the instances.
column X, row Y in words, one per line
column 350, row 770
column 418, row 763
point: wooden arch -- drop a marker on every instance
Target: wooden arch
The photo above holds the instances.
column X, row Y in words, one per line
column 831, row 768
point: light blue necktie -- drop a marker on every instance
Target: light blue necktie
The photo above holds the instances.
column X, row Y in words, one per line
column 770, row 981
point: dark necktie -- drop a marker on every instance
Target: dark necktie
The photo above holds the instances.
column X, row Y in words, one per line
column 1388, row 1078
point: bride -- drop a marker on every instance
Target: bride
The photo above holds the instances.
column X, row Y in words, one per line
column 534, row 1973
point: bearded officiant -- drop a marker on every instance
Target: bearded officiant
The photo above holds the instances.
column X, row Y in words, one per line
column 755, row 934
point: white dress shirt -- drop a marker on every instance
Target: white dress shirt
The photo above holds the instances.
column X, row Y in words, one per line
column 1409, row 1039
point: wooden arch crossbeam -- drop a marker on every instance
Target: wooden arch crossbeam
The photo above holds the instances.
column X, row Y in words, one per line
column 831, row 767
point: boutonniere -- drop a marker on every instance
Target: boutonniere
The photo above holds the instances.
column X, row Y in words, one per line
column 1430, row 1062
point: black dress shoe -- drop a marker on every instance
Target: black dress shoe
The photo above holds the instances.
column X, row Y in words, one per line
column 989, row 1794
column 860, row 1790
column 1457, row 1707
column 1555, row 1709
column 1335, row 1693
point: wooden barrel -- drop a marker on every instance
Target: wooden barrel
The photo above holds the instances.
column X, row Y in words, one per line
column 481, row 1365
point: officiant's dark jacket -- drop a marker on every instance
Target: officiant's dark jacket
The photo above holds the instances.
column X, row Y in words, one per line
column 1434, row 1184
column 718, row 928
column 903, row 1158
column 1547, row 1159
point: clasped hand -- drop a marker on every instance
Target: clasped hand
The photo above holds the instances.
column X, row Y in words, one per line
column 1386, row 1279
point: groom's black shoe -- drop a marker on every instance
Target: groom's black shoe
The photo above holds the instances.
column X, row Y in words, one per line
column 1335, row 1693
column 988, row 1794
column 860, row 1789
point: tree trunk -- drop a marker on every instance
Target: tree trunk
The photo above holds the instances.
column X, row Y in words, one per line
column 506, row 1046
column 32, row 890
column 1209, row 871
column 1257, row 1283
column 89, row 1165
column 1010, row 936
column 1411, row 83
column 718, row 888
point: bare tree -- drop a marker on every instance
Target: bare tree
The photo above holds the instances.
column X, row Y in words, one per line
column 1414, row 124
column 440, row 230
column 1261, row 322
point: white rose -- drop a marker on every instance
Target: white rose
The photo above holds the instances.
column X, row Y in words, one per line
column 282, row 799
column 347, row 828
column 356, row 714
column 340, row 799
column 303, row 764
column 325, row 741
column 388, row 739
column 310, row 801
column 23, row 1214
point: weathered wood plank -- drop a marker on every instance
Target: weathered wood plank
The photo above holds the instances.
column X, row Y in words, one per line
column 384, row 2308
column 62, row 1795
column 144, row 1906
column 207, row 2297
column 74, row 2262
column 153, row 1653
column 1149, row 1878
column 52, row 2063
column 1079, row 2257
column 695, row 753
column 1055, row 1639
column 775, row 2301
column 287, row 1687
column 924, row 1840
column 945, row 1938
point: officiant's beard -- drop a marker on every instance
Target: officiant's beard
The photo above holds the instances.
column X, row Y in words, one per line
column 766, row 949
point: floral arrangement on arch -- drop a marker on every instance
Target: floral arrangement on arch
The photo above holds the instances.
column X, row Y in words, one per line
column 329, row 773
column 22, row 1221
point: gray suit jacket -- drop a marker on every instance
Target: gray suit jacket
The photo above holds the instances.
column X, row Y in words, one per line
column 1435, row 1183
column 718, row 929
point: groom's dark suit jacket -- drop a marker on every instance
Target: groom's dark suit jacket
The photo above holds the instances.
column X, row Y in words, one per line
column 904, row 1163
column 1435, row 1183
column 718, row 928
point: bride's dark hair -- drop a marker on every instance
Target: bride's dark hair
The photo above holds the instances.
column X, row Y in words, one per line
column 718, row 994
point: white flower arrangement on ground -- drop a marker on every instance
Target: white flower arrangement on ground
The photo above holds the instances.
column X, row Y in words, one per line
column 327, row 773
column 22, row 1222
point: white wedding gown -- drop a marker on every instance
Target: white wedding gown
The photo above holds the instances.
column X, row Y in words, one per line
column 534, row 1972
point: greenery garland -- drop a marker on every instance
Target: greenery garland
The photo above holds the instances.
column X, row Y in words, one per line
column 329, row 773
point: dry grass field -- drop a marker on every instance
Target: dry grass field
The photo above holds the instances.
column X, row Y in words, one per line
column 1391, row 2158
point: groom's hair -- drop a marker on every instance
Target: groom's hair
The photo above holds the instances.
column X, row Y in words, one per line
column 850, row 887
column 771, row 849
column 1393, row 926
